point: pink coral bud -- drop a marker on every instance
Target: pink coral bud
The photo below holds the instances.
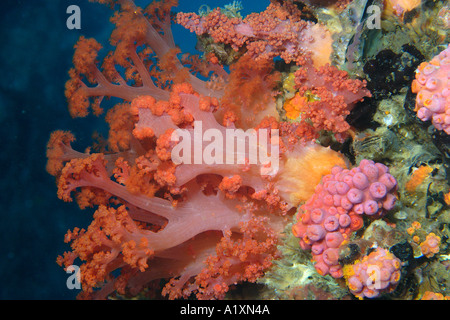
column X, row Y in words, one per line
column 421, row 78
column 360, row 180
column 389, row 202
column 436, row 105
column 334, row 239
column 388, row 180
column 317, row 215
column 424, row 114
column 354, row 284
column 377, row 190
column 370, row 293
column 330, row 256
column 306, row 217
column 331, row 187
column 337, row 200
column 355, row 195
column 438, row 119
column 359, row 208
column 328, row 200
column 348, row 180
column 429, row 69
column 336, row 170
column 332, row 210
column 342, row 188
column 322, row 268
column 370, row 171
column 344, row 220
column 317, row 248
column 381, row 168
column 365, row 162
column 346, row 204
column 370, row 207
column 315, row 232
column 331, row 223
column 304, row 245
column 299, row 230
column 336, row 271
column 341, row 210
column 423, row 96
column 432, row 83
column 445, row 62
column 385, row 275
column 446, row 91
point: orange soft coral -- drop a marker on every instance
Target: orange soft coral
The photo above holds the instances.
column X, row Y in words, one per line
column 418, row 176
column 430, row 246
column 331, row 96
column 277, row 31
column 304, row 169
column 447, row 198
column 428, row 295
column 249, row 91
column 245, row 259
column 200, row 227
column 59, row 151
column 140, row 37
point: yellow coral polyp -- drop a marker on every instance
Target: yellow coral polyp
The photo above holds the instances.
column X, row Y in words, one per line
column 348, row 270
column 289, row 83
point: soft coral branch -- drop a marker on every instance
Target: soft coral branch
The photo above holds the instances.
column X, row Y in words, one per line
column 134, row 28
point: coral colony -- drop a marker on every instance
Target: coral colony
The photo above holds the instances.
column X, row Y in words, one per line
column 433, row 91
column 217, row 169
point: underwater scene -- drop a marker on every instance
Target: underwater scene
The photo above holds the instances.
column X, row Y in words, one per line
column 225, row 150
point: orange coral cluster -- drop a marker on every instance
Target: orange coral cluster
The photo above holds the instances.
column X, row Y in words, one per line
column 325, row 97
column 279, row 31
column 430, row 246
column 428, row 295
column 418, row 176
column 447, row 198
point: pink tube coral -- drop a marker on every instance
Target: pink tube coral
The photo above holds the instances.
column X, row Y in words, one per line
column 433, row 93
column 335, row 210
column 377, row 273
